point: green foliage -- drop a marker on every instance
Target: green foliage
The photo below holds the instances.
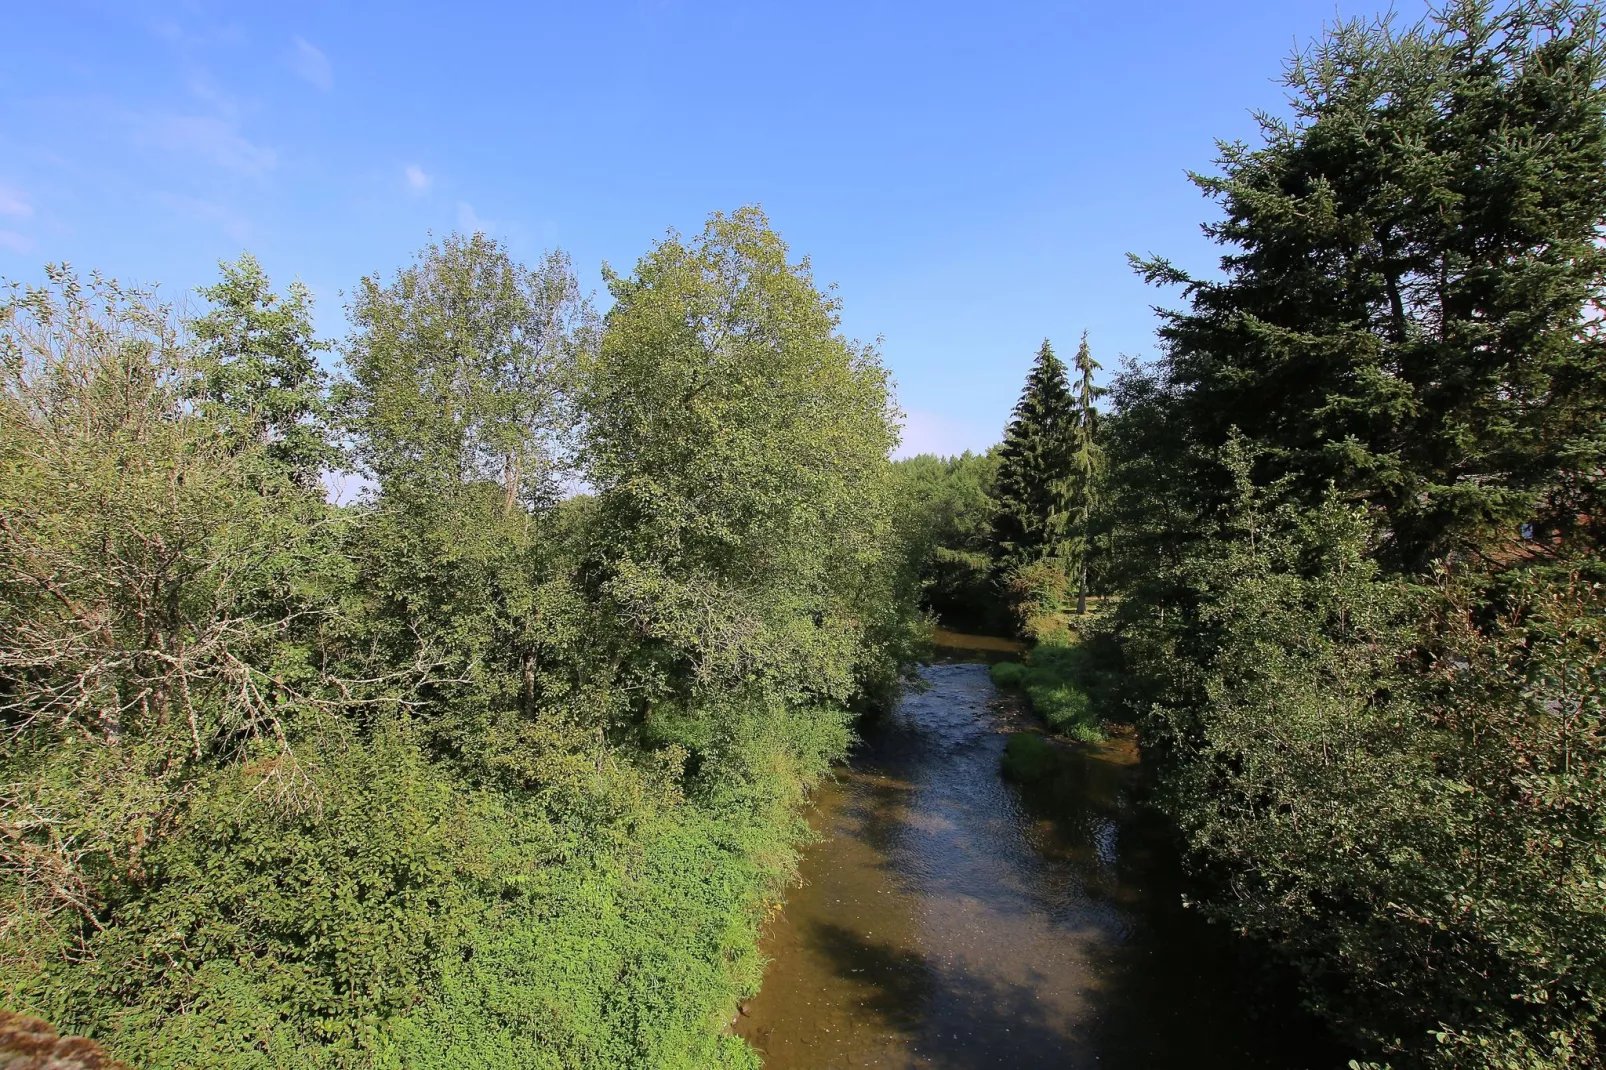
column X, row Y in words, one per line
column 1050, row 465
column 461, row 775
column 259, row 375
column 744, row 501
column 1008, row 673
column 1355, row 511
column 1034, row 467
column 1028, row 757
column 1037, row 594
column 947, row 507
column 455, row 370
column 1410, row 306
column 1403, row 800
column 1086, row 471
column 1054, row 679
column 156, row 604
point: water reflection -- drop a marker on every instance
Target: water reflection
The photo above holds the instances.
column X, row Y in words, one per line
column 950, row 920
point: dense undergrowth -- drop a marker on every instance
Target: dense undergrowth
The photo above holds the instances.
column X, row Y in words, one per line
column 475, row 771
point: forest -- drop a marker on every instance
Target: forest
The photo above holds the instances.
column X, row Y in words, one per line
column 505, row 760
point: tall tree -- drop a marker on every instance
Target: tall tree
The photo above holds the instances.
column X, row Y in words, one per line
column 1087, row 459
column 1032, row 486
column 260, row 375
column 454, row 370
column 1410, row 304
column 739, row 447
column 455, row 404
column 1398, row 374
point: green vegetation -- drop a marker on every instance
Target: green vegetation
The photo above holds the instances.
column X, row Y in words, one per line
column 1004, row 538
column 1056, row 677
column 948, row 508
column 471, row 772
column 1029, row 758
column 486, row 771
column 1357, row 523
column 1045, row 490
column 1034, row 465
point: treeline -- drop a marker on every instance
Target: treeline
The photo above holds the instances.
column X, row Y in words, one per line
column 1007, row 540
column 1356, row 514
column 501, row 764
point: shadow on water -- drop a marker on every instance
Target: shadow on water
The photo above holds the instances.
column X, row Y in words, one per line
column 902, row 988
column 950, row 919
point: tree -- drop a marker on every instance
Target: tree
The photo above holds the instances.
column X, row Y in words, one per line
column 455, row 401
column 1411, row 305
column 1087, row 462
column 1359, row 538
column 738, row 444
column 333, row 786
column 1034, row 509
column 948, row 509
column 260, row 376
column 160, row 594
column 454, row 371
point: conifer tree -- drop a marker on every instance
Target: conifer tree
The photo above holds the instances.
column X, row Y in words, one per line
column 1409, row 305
column 1034, row 466
column 1086, row 460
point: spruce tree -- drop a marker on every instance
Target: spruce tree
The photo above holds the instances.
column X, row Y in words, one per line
column 1408, row 307
column 1034, row 468
column 1086, row 459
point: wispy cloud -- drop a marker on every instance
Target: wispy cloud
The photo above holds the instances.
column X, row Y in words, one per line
column 205, row 89
column 311, row 64
column 205, row 137
column 469, row 221
column 418, row 180
column 13, row 202
column 17, row 243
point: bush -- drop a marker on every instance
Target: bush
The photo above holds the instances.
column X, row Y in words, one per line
column 1028, row 758
column 1009, row 674
column 1037, row 593
column 1396, row 789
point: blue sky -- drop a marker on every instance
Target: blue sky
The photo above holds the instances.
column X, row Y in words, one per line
column 971, row 176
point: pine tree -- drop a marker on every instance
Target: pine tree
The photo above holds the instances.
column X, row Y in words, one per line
column 1086, row 461
column 1034, row 509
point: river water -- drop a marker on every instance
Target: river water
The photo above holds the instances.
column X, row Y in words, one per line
column 947, row 919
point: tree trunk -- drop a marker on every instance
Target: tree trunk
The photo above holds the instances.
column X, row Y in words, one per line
column 510, row 476
column 1081, row 591
column 527, row 690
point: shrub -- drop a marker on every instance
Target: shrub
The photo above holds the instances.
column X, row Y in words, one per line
column 1028, row 758
column 1008, row 674
column 1037, row 592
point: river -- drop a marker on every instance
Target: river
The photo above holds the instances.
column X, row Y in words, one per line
column 947, row 919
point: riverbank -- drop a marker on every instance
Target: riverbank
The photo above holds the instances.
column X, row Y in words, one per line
column 950, row 918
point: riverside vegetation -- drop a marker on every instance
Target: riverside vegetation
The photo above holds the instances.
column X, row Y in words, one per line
column 470, row 772
column 482, row 770
column 1358, row 524
column 1354, row 519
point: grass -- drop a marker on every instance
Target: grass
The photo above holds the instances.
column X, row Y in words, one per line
column 1053, row 679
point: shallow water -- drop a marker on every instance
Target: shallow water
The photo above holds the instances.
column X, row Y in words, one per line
column 949, row 920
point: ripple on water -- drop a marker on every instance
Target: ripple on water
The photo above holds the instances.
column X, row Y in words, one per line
column 948, row 920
